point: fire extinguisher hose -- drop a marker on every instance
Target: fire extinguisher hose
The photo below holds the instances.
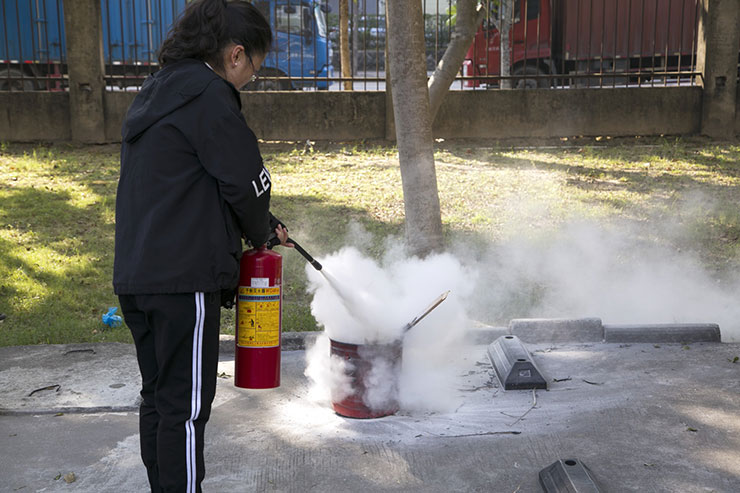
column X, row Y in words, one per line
column 315, row 263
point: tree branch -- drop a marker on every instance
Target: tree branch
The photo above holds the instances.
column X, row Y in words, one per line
column 469, row 17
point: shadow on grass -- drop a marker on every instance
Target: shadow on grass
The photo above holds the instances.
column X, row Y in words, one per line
column 56, row 282
column 58, row 265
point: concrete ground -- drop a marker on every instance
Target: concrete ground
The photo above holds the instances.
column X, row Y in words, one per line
column 647, row 417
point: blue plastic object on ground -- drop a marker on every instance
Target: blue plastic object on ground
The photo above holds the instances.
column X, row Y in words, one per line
column 111, row 319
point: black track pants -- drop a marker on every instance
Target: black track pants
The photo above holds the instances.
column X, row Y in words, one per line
column 176, row 337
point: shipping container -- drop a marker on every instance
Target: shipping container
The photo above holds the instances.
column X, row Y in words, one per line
column 33, row 52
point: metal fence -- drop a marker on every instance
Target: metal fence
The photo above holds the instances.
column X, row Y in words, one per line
column 551, row 43
column 32, row 52
column 132, row 33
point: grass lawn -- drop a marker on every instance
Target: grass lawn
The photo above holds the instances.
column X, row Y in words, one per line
column 57, row 207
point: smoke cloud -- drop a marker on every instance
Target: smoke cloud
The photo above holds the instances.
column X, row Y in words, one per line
column 623, row 274
column 617, row 273
column 360, row 301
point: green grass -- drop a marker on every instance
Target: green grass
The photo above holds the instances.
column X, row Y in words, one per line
column 57, row 212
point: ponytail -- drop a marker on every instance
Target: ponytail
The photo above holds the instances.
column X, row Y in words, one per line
column 206, row 27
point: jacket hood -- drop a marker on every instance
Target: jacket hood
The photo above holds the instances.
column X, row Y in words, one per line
column 165, row 91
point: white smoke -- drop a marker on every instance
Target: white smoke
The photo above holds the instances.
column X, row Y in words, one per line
column 617, row 273
column 621, row 274
column 360, row 301
column 330, row 375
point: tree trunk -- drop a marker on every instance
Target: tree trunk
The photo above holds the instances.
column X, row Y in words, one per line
column 407, row 63
column 469, row 17
column 344, row 44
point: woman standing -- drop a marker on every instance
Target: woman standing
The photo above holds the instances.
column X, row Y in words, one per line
column 192, row 185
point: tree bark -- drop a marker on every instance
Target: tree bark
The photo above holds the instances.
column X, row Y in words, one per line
column 407, row 63
column 345, row 59
column 469, row 17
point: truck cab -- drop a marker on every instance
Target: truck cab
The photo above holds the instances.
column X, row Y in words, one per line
column 530, row 39
column 300, row 54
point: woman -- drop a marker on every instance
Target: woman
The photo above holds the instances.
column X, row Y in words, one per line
column 192, row 184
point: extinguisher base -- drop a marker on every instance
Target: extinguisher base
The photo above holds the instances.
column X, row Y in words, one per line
column 257, row 368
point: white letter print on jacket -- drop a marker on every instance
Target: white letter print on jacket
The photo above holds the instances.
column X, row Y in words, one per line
column 264, row 182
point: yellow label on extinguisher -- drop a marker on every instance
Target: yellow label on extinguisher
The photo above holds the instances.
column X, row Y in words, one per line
column 258, row 317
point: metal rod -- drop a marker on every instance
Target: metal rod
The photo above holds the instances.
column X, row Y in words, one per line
column 426, row 312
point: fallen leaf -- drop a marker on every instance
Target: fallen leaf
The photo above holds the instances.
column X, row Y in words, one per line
column 691, row 429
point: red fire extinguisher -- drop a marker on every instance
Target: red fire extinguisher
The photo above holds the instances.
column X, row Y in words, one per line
column 259, row 320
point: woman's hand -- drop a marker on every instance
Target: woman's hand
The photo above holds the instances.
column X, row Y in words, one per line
column 282, row 234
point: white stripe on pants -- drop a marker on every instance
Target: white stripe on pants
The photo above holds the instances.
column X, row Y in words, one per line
column 195, row 392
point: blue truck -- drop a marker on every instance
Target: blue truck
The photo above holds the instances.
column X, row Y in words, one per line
column 301, row 53
column 33, row 52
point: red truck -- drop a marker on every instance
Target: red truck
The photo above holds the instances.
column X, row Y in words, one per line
column 588, row 42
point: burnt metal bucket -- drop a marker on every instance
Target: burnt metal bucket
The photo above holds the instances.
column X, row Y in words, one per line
column 373, row 371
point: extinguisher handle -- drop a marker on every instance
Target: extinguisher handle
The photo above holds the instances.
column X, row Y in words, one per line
column 272, row 241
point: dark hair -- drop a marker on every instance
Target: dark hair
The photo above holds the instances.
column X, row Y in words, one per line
column 206, row 27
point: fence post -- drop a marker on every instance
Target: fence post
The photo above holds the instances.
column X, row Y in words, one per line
column 390, row 119
column 83, row 26
column 718, row 38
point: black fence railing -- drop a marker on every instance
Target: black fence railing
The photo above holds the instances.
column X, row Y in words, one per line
column 32, row 51
column 133, row 30
column 551, row 43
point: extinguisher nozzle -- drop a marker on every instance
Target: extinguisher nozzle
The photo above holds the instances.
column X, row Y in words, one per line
column 315, row 263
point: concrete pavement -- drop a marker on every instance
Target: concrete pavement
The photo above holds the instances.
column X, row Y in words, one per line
column 646, row 416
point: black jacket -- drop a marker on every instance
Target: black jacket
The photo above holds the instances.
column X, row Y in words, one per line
column 192, row 183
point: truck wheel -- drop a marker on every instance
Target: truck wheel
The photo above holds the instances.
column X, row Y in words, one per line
column 522, row 82
column 10, row 81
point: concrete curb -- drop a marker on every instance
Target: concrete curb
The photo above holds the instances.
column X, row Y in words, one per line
column 290, row 341
column 547, row 330
column 662, row 333
column 557, row 329
column 560, row 330
column 295, row 341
